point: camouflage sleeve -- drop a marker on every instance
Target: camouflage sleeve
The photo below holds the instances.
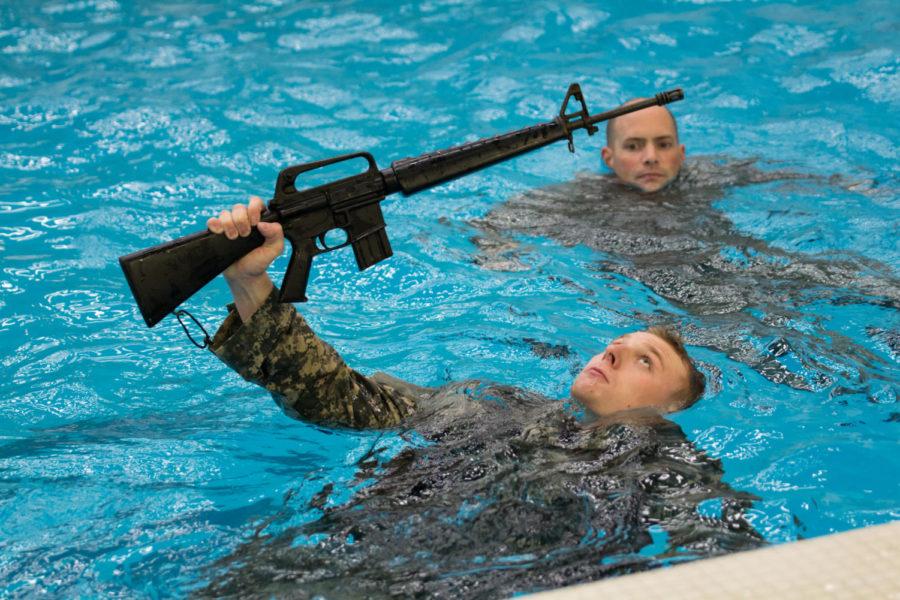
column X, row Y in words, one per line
column 309, row 380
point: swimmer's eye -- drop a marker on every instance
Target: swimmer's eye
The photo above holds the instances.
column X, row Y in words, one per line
column 645, row 360
column 665, row 145
column 631, row 146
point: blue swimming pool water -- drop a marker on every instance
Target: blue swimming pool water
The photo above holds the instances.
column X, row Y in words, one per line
column 130, row 461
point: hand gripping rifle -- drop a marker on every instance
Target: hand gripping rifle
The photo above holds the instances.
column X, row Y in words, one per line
column 164, row 276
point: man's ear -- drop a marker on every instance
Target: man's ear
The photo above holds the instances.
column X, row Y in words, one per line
column 683, row 153
column 607, row 154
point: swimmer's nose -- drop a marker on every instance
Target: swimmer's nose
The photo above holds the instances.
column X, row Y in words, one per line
column 611, row 358
column 650, row 155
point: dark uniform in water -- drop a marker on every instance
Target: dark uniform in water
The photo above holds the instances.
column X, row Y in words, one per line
column 500, row 490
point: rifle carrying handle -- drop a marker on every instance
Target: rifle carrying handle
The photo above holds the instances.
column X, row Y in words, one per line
column 164, row 276
column 286, row 184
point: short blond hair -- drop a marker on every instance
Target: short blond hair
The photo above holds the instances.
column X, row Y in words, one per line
column 696, row 383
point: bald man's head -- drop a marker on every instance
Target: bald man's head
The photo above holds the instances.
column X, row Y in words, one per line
column 611, row 124
column 642, row 147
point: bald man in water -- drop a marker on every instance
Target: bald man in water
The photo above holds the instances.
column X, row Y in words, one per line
column 642, row 148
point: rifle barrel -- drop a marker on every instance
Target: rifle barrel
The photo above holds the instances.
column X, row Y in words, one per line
column 658, row 100
column 411, row 175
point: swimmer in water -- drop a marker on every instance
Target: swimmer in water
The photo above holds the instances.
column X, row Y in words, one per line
column 510, row 472
column 270, row 344
column 642, row 148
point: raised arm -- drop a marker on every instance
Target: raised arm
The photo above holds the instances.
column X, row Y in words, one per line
column 271, row 345
column 248, row 278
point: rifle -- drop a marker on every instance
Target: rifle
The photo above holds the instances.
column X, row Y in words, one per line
column 164, row 276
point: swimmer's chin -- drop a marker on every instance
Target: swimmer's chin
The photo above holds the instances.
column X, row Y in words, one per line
column 645, row 415
column 651, row 189
column 637, row 187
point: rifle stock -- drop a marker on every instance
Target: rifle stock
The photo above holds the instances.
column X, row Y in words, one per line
column 164, row 276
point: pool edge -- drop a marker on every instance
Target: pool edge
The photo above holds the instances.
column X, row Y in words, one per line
column 861, row 563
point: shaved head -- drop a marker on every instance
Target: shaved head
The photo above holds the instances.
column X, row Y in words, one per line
column 642, row 147
column 611, row 124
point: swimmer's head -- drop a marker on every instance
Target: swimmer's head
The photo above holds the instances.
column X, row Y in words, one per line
column 642, row 147
column 644, row 369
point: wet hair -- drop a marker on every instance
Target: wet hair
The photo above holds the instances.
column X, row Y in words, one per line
column 696, row 383
column 610, row 125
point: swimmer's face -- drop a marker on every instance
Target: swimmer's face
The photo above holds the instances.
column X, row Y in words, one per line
column 637, row 370
column 644, row 149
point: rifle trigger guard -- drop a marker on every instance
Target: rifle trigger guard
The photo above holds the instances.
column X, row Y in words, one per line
column 579, row 118
column 323, row 246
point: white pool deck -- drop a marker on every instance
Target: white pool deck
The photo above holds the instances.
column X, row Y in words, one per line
column 863, row 563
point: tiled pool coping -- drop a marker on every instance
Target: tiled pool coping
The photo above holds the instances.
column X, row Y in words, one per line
column 863, row 563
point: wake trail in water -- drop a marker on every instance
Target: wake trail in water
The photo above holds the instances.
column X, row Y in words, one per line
column 739, row 291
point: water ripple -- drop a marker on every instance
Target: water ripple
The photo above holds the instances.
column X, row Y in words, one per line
column 20, row 162
column 792, row 40
column 20, row 234
column 319, row 94
column 261, row 117
column 27, row 116
column 155, row 195
column 133, row 130
column 341, row 30
column 10, row 82
column 876, row 73
column 55, row 8
column 802, row 84
column 41, row 40
column 81, row 307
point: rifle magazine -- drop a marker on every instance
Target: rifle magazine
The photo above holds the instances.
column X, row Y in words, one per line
column 372, row 248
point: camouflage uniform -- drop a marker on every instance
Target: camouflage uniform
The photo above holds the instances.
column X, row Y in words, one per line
column 277, row 350
column 509, row 472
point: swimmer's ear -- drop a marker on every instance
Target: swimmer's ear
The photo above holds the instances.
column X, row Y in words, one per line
column 606, row 153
